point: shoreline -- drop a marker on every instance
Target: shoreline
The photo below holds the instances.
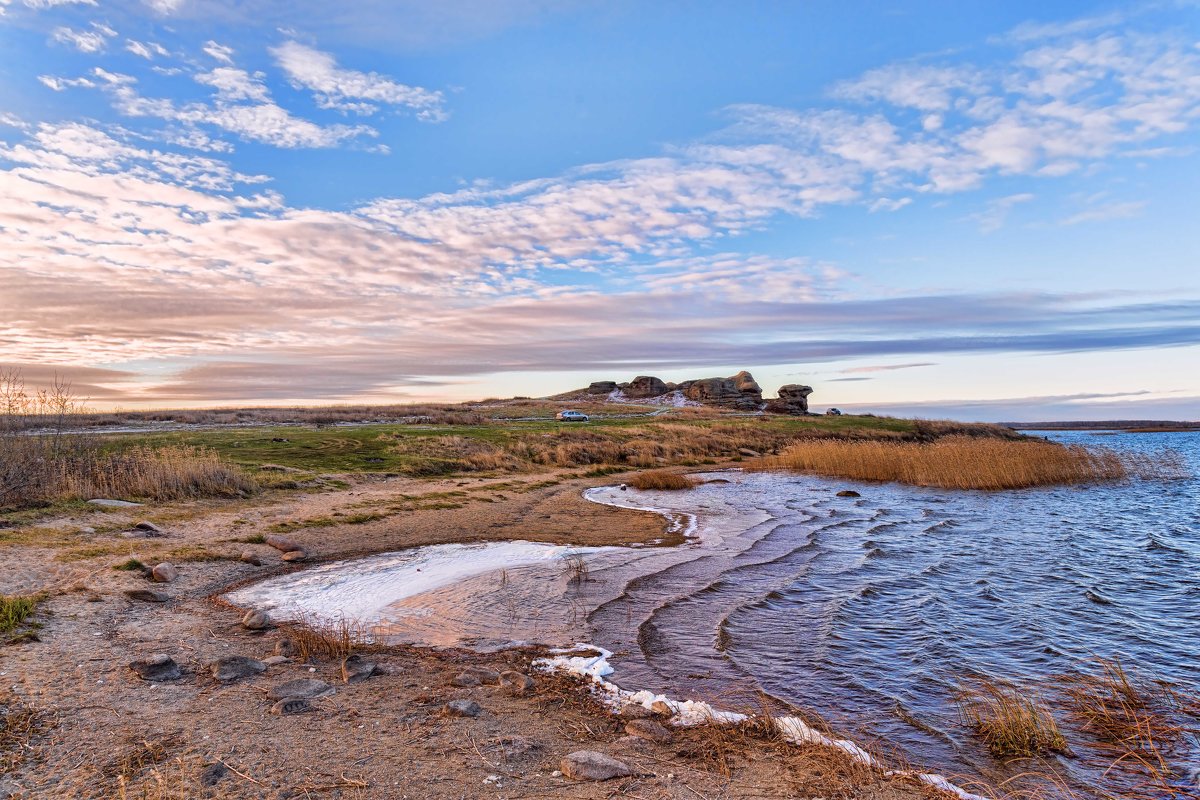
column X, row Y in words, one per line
column 75, row 678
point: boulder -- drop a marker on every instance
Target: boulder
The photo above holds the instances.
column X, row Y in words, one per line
column 155, row 668
column 793, row 399
column 648, row 729
column 256, row 620
column 602, row 387
column 739, row 392
column 848, row 493
column 645, row 386
column 588, row 765
column 305, row 688
column 102, row 501
column 283, row 543
column 294, row 555
column 251, row 557
column 164, row 573
column 148, row 528
column 356, row 668
column 462, row 708
column 232, row 668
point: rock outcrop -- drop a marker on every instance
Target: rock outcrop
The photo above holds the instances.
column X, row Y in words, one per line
column 602, row 387
column 793, row 399
column 740, row 391
column 645, row 386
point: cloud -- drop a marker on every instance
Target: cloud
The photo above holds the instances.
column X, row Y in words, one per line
column 44, row 4
column 1102, row 213
column 219, row 52
column 888, row 367
column 995, row 215
column 85, row 41
column 349, row 90
column 147, row 50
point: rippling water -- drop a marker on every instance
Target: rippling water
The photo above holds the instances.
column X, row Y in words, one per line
column 865, row 610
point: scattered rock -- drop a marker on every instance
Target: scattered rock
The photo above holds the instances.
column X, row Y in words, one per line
column 748, row 453
column 463, row 708
column 283, row 543
column 301, row 688
column 588, row 765
column 475, row 676
column 634, row 711
column 648, row 729
column 286, row 647
column 294, row 555
column 274, row 661
column 156, row 668
column 212, row 774
column 516, row 683
column 291, row 705
column 147, row 595
column 232, row 668
column 113, row 503
column 356, row 668
column 256, row 620
column 848, row 493
column 164, row 573
column 661, row 707
column 250, row 557
column 149, row 527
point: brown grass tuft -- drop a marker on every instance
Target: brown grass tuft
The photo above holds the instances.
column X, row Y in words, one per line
column 1010, row 720
column 661, row 479
column 19, row 724
column 957, row 462
column 318, row 638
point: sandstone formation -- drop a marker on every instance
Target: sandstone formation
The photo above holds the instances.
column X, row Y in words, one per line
column 738, row 392
column 645, row 386
column 602, row 387
column 793, row 399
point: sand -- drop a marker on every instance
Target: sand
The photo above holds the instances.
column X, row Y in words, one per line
column 104, row 732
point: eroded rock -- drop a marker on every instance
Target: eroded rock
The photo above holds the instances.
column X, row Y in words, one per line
column 232, row 668
column 147, row 595
column 589, row 765
column 301, row 688
column 292, row 705
column 156, row 668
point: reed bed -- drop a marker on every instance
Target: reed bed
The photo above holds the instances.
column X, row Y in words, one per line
column 1009, row 720
column 959, row 462
column 661, row 479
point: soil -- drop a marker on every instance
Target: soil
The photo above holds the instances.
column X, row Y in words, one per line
column 94, row 729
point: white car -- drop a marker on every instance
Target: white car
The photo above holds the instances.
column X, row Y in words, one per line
column 572, row 416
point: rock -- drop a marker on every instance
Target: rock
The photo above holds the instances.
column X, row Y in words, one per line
column 212, row 774
column 294, row 555
column 149, row 527
column 256, row 620
column 164, row 573
column 634, row 711
column 113, row 503
column 588, row 765
column 232, row 668
column 516, row 683
column 662, row 708
column 291, row 705
column 283, row 543
column 602, row 387
column 301, row 688
column 793, row 399
column 848, row 493
column 250, row 557
column 356, row 668
column 648, row 729
column 739, row 392
column 156, row 668
column 274, row 661
column 286, row 647
column 147, row 596
column 462, row 708
column 475, row 676
column 747, row 453
column 645, row 386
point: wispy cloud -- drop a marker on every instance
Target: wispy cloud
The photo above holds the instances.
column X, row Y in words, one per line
column 1105, row 212
column 91, row 40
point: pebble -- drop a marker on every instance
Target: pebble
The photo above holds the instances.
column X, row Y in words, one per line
column 356, row 668
column 463, row 708
column 158, row 667
column 256, row 620
column 648, row 729
column 588, row 765
column 301, row 688
column 164, row 573
column 231, row 668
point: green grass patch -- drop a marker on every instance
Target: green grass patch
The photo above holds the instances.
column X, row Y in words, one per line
column 132, row 565
column 15, row 610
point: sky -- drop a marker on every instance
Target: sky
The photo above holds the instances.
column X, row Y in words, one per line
column 959, row 209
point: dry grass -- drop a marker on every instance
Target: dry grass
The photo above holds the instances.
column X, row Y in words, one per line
column 19, row 724
column 575, row 567
column 958, row 462
column 15, row 609
column 661, row 479
column 1010, row 720
column 318, row 639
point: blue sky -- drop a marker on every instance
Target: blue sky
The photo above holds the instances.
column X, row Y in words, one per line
column 975, row 210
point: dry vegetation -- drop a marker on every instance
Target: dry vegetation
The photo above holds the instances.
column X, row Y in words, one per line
column 661, row 479
column 1009, row 720
column 959, row 462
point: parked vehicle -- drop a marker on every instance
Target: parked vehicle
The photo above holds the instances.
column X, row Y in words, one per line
column 572, row 416
column 833, row 412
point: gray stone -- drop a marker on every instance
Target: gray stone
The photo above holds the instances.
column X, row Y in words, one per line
column 463, row 708
column 274, row 661
column 251, row 557
column 212, row 774
column 256, row 620
column 291, row 705
column 356, row 668
column 147, row 595
column 283, row 543
column 232, row 668
column 164, row 573
column 148, row 527
column 588, row 765
column 156, row 668
column 113, row 503
column 648, row 729
column 303, row 688
column 516, row 683
column 475, row 676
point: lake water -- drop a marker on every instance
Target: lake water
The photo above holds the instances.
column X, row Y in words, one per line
column 868, row 611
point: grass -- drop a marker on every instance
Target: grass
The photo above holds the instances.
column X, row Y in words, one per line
column 132, row 565
column 662, row 480
column 1009, row 720
column 15, row 610
column 319, row 638
column 19, row 724
column 959, row 462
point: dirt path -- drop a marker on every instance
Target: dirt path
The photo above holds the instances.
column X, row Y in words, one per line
column 90, row 728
